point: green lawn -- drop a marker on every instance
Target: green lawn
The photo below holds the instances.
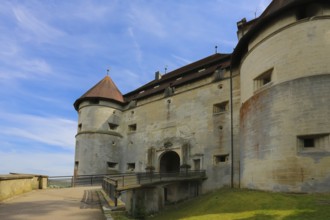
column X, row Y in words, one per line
column 229, row 204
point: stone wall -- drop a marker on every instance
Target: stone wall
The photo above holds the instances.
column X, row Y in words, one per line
column 273, row 123
column 285, row 106
column 15, row 184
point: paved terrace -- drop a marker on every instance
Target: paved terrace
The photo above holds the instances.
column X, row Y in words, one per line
column 80, row 203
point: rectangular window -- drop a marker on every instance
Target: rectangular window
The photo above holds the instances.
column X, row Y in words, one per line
column 76, row 164
column 113, row 126
column 309, row 142
column 197, row 164
column 263, row 79
column 94, row 101
column 218, row 159
column 112, row 165
column 132, row 127
column 79, row 127
column 316, row 142
column 220, row 107
column 130, row 166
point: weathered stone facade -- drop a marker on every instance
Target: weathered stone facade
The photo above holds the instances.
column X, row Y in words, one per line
column 258, row 118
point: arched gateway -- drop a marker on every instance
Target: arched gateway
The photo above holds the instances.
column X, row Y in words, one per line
column 169, row 162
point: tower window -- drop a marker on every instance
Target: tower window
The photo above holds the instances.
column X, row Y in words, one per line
column 94, row 101
column 112, row 165
column 80, row 127
column 313, row 142
column 113, row 126
column 263, row 79
column 309, row 142
column 132, row 127
column 220, row 107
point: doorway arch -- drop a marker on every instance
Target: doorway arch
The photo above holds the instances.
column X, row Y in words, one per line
column 169, row 162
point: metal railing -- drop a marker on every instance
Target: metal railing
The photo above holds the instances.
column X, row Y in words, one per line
column 112, row 185
column 71, row 181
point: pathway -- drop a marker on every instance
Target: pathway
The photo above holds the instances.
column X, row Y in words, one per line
column 80, row 203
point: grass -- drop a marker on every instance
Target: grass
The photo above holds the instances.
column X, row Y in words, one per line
column 230, row 204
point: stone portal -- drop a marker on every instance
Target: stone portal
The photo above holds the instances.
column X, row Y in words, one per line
column 170, row 162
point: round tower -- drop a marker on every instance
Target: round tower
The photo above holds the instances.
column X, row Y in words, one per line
column 98, row 136
column 284, row 68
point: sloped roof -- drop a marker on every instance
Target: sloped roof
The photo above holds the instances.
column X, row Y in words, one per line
column 105, row 89
column 188, row 73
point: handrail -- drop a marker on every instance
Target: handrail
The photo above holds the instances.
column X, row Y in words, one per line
column 112, row 185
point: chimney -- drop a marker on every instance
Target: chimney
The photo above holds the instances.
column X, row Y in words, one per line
column 158, row 75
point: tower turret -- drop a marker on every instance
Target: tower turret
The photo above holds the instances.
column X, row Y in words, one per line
column 100, row 110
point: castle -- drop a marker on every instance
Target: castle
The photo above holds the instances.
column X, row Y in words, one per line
column 257, row 118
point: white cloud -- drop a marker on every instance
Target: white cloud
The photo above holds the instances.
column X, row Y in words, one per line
column 35, row 27
column 146, row 19
column 49, row 130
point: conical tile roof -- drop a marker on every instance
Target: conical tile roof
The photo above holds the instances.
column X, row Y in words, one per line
column 106, row 89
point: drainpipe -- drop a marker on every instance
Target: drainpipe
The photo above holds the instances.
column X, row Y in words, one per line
column 231, row 130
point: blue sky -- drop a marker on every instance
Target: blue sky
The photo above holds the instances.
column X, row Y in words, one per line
column 53, row 51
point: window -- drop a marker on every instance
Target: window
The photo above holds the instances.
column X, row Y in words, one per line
column 219, row 74
column 130, row 166
column 76, row 164
column 218, row 159
column 132, row 127
column 197, row 164
column 113, row 126
column 220, row 107
column 112, row 165
column 263, row 79
column 80, row 127
column 309, row 142
column 94, row 101
column 317, row 142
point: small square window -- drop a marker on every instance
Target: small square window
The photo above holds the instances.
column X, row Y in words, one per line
column 113, row 126
column 132, row 127
column 220, row 107
column 221, row 158
column 130, row 166
column 309, row 142
column 112, row 165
